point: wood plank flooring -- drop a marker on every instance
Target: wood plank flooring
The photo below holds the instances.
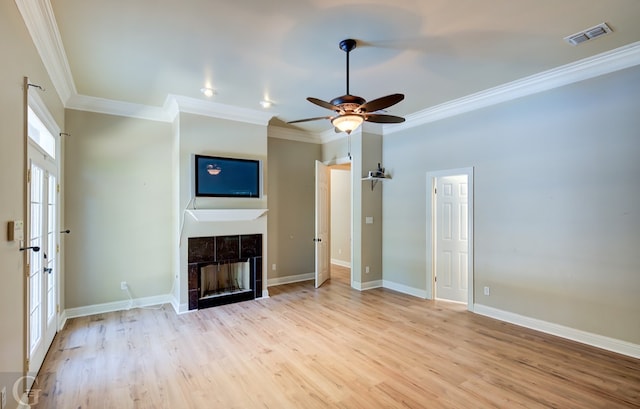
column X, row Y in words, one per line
column 331, row 347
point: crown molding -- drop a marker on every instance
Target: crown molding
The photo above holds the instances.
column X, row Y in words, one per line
column 293, row 135
column 41, row 23
column 173, row 105
column 120, row 108
column 601, row 64
column 217, row 110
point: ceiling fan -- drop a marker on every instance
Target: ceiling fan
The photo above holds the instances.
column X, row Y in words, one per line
column 352, row 110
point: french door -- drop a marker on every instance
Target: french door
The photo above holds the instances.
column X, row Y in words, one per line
column 43, row 266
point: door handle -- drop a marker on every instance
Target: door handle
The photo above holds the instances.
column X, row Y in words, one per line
column 317, row 240
column 34, row 248
column 48, row 270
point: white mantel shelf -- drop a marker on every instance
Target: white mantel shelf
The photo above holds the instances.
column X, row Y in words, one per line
column 225, row 215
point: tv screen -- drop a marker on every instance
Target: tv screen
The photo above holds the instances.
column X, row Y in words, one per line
column 226, row 177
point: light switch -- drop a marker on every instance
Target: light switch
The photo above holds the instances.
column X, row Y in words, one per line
column 368, row 220
column 15, row 230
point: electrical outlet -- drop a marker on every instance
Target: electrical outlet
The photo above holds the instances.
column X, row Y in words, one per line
column 3, row 398
column 366, row 269
column 273, row 267
column 123, row 285
column 487, row 291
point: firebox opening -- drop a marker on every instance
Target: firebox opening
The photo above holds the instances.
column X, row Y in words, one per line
column 222, row 279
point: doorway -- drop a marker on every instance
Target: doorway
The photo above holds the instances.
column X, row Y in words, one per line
column 340, row 220
column 451, row 231
column 333, row 217
column 43, row 268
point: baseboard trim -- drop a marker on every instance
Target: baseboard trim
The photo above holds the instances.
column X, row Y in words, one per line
column 290, row 279
column 179, row 308
column 62, row 320
column 341, row 263
column 117, row 306
column 405, row 289
column 599, row 341
column 367, row 285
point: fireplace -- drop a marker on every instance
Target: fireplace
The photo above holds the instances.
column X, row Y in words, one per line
column 224, row 269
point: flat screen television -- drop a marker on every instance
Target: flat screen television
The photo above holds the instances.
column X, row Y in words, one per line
column 217, row 176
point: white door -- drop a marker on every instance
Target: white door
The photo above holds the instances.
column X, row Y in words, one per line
column 323, row 271
column 43, row 264
column 452, row 238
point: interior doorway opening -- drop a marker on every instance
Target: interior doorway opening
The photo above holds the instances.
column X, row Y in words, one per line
column 341, row 219
column 333, row 221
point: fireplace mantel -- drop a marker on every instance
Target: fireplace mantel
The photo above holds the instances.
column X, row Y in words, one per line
column 225, row 215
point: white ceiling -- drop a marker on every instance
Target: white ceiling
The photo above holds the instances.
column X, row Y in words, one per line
column 286, row 50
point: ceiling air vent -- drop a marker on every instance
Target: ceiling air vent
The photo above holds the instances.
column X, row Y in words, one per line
column 588, row 34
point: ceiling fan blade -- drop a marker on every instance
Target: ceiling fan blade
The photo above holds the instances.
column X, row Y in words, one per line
column 381, row 103
column 323, row 104
column 309, row 119
column 383, row 119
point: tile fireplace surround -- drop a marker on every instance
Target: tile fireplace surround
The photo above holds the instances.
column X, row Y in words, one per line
column 235, row 260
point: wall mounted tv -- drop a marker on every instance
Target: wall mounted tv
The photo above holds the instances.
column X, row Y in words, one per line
column 226, row 177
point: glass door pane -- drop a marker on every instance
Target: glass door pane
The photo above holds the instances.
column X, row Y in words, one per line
column 35, row 258
column 52, row 253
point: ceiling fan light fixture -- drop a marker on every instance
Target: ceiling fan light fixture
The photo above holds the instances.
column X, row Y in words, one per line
column 353, row 110
column 347, row 122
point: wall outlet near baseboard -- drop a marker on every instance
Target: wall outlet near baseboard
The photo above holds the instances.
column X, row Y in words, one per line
column 366, row 270
column 123, row 285
column 487, row 291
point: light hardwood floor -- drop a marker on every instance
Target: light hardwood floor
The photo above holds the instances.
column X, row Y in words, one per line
column 331, row 347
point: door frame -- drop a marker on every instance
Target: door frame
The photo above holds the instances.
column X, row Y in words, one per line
column 431, row 235
column 344, row 161
column 32, row 149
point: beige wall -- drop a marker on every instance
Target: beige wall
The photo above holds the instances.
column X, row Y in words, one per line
column 367, row 158
column 336, row 150
column 19, row 59
column 291, row 207
column 118, row 191
column 556, row 215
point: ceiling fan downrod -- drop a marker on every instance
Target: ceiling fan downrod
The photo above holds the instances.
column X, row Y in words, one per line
column 347, row 46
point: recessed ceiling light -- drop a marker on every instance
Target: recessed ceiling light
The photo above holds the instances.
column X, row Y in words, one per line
column 208, row 92
column 266, row 104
